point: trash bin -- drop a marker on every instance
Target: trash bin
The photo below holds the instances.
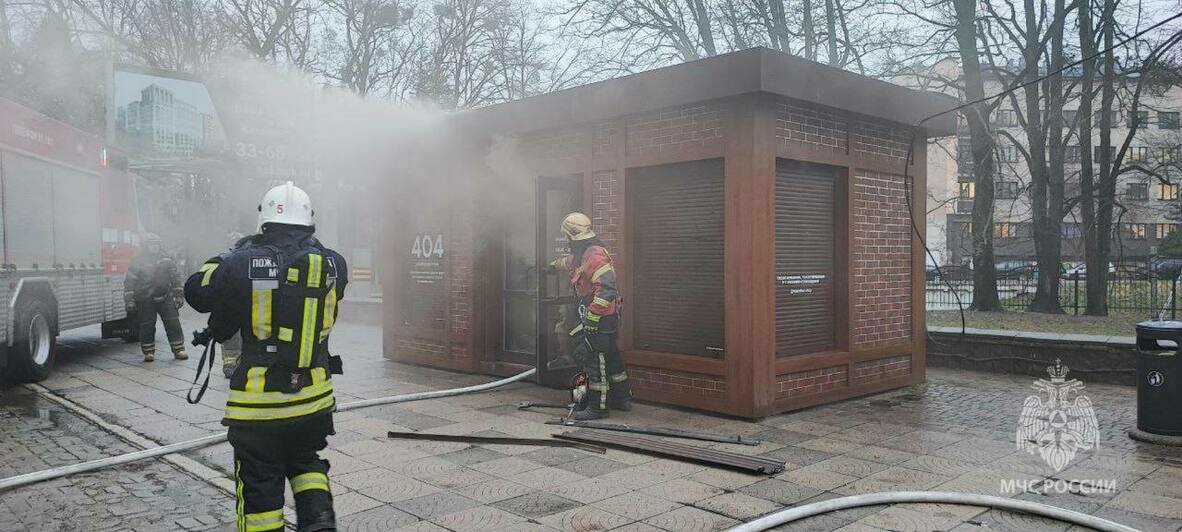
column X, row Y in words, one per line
column 1159, row 382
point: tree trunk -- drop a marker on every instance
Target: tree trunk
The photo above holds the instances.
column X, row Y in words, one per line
column 1047, row 179
column 779, row 26
column 831, row 32
column 1087, row 176
column 977, row 115
column 1106, row 195
column 809, row 30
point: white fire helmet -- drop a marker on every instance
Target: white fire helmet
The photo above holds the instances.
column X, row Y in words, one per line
column 286, row 204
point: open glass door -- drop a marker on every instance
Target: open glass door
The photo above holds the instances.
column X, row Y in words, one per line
column 557, row 307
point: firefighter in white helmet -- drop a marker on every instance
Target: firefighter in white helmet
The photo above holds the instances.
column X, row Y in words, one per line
column 593, row 275
column 279, row 291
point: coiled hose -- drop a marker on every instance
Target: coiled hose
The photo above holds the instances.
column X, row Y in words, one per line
column 789, row 515
column 213, row 439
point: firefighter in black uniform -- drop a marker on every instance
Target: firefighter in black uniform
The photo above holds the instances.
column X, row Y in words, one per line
column 279, row 291
column 153, row 288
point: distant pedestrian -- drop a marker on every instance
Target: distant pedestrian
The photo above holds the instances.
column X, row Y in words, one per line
column 154, row 287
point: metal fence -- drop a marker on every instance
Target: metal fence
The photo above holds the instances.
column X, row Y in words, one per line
column 1131, row 287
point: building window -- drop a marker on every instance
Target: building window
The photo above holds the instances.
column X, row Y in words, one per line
column 1007, row 153
column 1166, row 155
column 1160, row 231
column 1135, row 231
column 966, row 230
column 1005, row 230
column 1072, row 154
column 1098, row 115
column 968, row 190
column 1138, row 191
column 1166, row 191
column 1006, row 118
column 1137, row 153
column 1069, row 116
column 1138, row 119
column 1072, row 231
column 1006, row 189
column 1099, row 150
column 1167, row 120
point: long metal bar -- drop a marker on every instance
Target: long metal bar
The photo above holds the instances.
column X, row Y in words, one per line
column 496, row 440
column 656, row 431
column 676, row 450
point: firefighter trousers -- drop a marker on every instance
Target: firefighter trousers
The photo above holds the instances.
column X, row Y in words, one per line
column 267, row 456
column 148, row 310
column 599, row 356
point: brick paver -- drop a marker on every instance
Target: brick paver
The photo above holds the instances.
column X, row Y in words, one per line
column 954, row 433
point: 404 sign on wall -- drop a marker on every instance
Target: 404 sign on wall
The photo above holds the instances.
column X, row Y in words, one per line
column 427, row 246
column 423, row 295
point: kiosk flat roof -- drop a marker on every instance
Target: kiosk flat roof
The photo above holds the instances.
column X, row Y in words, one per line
column 749, row 71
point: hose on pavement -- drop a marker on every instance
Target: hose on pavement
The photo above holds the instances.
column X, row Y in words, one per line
column 797, row 513
column 213, row 439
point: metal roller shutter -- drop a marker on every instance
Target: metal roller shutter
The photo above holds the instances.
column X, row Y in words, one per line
column 678, row 257
column 804, row 257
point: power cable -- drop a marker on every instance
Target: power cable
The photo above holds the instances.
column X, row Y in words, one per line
column 915, row 132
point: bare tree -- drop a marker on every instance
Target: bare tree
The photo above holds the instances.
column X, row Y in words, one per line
column 272, row 30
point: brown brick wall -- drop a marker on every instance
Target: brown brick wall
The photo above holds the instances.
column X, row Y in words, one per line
column 803, row 124
column 606, row 199
column 669, row 381
column 882, row 260
column 882, row 369
column 811, row 382
column 879, row 139
column 415, row 346
column 672, row 129
column 605, row 136
column 461, row 248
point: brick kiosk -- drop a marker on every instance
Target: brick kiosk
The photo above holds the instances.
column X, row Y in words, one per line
column 754, row 202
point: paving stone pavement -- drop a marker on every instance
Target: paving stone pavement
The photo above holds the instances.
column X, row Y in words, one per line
column 954, row 433
column 36, row 434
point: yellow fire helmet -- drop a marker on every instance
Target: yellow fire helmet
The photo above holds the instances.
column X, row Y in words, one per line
column 577, row 226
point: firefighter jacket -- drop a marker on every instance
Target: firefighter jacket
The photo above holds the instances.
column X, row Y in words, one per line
column 279, row 291
column 151, row 277
column 594, row 280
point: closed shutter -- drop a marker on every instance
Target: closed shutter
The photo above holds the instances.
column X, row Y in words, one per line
column 678, row 257
column 804, row 257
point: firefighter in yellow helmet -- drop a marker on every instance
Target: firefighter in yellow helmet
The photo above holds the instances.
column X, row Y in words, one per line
column 279, row 291
column 594, row 278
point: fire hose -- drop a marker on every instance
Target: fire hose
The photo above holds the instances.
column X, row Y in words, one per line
column 213, row 439
column 789, row 515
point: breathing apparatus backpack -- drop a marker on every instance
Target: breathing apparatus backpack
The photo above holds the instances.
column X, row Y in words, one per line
column 293, row 310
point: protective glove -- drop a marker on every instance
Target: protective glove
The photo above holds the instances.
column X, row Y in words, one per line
column 178, row 298
column 590, row 323
column 129, row 305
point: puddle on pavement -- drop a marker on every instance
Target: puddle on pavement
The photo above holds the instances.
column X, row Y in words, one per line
column 17, row 401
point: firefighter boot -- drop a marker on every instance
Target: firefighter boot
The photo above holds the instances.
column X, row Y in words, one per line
column 149, row 353
column 178, row 350
column 593, row 409
column 619, row 396
column 323, row 520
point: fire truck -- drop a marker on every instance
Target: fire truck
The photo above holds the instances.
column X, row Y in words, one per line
column 69, row 227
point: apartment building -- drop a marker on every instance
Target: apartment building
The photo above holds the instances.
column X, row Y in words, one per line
column 1147, row 193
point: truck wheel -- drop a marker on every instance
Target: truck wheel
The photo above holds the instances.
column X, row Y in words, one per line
column 34, row 341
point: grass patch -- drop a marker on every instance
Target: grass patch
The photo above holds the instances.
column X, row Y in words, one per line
column 1115, row 324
